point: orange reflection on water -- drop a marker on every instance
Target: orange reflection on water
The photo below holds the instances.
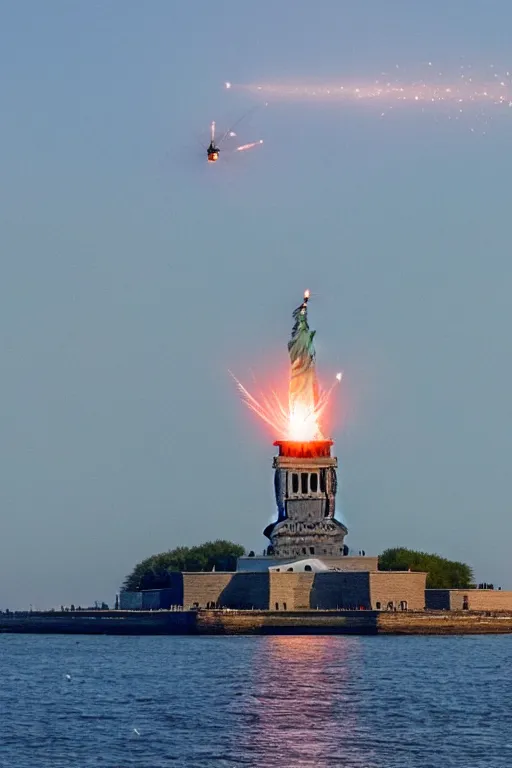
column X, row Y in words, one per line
column 302, row 712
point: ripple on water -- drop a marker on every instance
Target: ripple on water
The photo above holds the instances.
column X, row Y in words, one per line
column 368, row 702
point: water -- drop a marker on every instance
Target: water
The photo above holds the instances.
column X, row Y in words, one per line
column 148, row 702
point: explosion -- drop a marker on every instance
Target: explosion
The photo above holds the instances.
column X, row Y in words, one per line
column 300, row 421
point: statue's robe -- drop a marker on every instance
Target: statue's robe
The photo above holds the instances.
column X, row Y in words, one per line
column 303, row 391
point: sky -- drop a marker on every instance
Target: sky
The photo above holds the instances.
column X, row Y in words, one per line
column 134, row 276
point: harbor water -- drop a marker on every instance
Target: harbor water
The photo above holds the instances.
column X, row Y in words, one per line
column 150, row 702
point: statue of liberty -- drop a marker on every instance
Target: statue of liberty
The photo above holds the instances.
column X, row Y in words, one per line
column 300, row 421
column 303, row 394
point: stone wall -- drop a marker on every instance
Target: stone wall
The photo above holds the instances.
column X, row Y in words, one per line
column 444, row 622
column 286, row 622
column 337, row 589
column 402, row 589
column 246, row 591
column 204, row 588
column 278, row 590
column 152, row 599
column 130, row 601
column 101, row 622
column 482, row 600
column 437, row 599
column 290, row 591
column 477, row 599
column 258, row 622
column 162, row 599
column 490, row 600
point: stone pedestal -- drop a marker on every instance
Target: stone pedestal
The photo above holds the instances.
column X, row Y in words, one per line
column 305, row 488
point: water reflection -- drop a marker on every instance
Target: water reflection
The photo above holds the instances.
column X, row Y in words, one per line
column 304, row 702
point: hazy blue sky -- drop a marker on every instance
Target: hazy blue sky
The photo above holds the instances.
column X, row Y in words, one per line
column 133, row 276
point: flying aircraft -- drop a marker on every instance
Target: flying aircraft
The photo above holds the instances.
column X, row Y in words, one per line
column 213, row 151
column 214, row 148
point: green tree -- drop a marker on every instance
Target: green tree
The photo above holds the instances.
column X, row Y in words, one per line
column 442, row 573
column 154, row 572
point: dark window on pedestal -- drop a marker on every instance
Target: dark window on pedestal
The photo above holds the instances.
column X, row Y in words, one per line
column 308, row 568
column 311, row 550
column 304, row 482
column 313, row 482
column 322, row 480
column 295, row 483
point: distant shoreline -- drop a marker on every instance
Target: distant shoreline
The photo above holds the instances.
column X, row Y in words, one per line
column 241, row 622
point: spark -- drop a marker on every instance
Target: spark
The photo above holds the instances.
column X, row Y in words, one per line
column 301, row 423
column 227, row 85
column 493, row 89
column 300, row 420
column 249, row 146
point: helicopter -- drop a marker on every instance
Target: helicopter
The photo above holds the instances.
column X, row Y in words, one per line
column 213, row 151
column 214, row 148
